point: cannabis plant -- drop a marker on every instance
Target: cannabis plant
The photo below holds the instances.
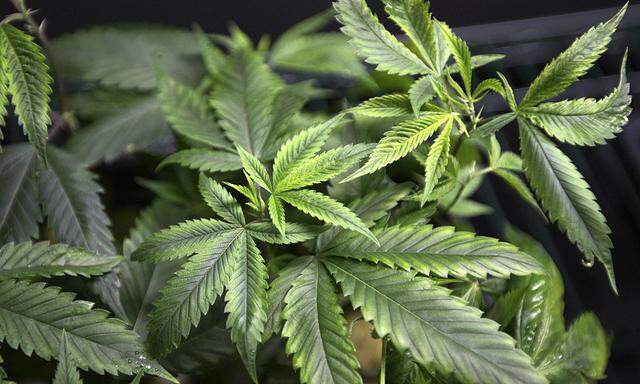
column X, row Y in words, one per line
column 285, row 215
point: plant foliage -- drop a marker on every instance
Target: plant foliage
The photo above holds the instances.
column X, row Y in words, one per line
column 278, row 220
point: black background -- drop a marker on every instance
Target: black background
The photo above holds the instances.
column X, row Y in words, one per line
column 586, row 290
column 274, row 16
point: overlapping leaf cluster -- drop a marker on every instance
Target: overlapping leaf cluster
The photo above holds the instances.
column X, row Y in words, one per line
column 281, row 218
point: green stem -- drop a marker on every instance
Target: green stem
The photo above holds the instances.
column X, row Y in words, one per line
column 383, row 362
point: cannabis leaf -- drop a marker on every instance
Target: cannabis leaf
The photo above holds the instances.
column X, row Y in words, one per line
column 441, row 252
column 19, row 198
column 461, row 54
column 204, row 160
column 127, row 58
column 539, row 325
column 400, row 140
column 26, row 78
column 582, row 356
column 71, row 202
column 295, row 167
column 413, row 17
column 220, row 255
column 132, row 127
column 66, row 372
column 396, row 105
column 246, row 303
column 189, row 113
column 277, row 292
column 4, row 94
column 316, row 330
column 437, row 160
column 403, row 307
column 243, row 99
column 421, row 92
column 47, row 312
column 573, row 63
column 373, row 42
column 41, row 259
column 540, row 305
column 140, row 281
column 586, row 121
column 566, row 196
column 303, row 48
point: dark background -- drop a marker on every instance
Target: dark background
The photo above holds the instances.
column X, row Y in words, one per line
column 612, row 171
column 274, row 16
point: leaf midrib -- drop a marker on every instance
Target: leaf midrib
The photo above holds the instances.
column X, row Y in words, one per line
column 422, row 321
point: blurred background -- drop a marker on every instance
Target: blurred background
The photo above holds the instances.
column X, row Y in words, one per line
column 530, row 33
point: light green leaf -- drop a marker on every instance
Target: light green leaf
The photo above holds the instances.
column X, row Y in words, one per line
column 247, row 304
column 29, row 309
column 323, row 167
column 461, row 54
column 29, row 83
column 41, row 259
column 582, row 358
column 394, row 105
column 539, row 324
column 212, row 56
column 316, row 332
column 221, row 201
column 204, row 160
column 254, row 168
column 566, row 196
column 326, row 209
column 492, row 126
column 477, row 61
column 573, row 63
column 276, row 212
column 421, row 92
column 441, row 252
column 192, row 290
column 373, row 42
column 586, row 121
column 486, row 86
column 66, row 372
column 4, row 94
column 182, row 240
column 413, row 17
column 437, row 160
column 189, row 113
column 438, row 330
column 466, row 208
column 509, row 95
column 302, row 147
column 399, row 141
